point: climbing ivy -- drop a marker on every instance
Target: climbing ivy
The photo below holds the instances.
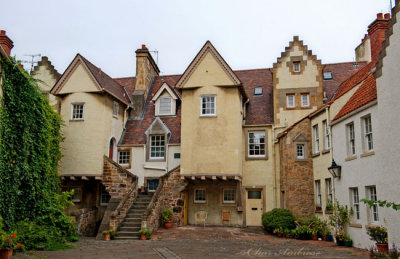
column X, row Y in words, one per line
column 29, row 153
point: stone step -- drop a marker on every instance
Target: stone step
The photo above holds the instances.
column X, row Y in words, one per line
column 137, row 223
column 136, row 211
column 130, row 229
column 133, row 219
column 127, row 238
column 127, row 234
column 141, row 202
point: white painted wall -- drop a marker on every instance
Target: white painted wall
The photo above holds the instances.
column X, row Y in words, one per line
column 388, row 133
column 359, row 172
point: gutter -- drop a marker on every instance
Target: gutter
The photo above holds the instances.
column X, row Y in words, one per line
column 364, row 107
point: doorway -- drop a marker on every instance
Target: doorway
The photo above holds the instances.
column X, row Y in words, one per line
column 254, row 207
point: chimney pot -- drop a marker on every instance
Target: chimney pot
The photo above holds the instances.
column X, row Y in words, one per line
column 379, row 16
column 2, row 32
column 387, row 16
column 5, row 42
column 144, row 46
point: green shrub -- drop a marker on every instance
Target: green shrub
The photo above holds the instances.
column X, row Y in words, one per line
column 304, row 232
column 166, row 215
column 278, row 218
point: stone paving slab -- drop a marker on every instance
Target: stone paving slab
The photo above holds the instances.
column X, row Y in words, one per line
column 199, row 242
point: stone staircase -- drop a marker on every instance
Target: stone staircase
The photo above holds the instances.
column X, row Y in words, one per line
column 130, row 227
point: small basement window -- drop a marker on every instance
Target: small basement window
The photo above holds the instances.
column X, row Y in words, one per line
column 258, row 90
column 328, row 76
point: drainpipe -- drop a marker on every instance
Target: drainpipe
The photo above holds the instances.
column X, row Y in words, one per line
column 124, row 118
column 274, row 162
column 244, row 108
column 328, row 120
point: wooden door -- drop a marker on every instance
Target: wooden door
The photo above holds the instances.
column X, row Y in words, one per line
column 254, row 207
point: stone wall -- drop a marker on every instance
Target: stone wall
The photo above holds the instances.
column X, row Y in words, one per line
column 296, row 175
column 122, row 187
column 86, row 221
column 168, row 195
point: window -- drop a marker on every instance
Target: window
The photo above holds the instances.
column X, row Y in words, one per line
column 229, row 196
column 374, row 208
column 300, row 151
column 328, row 76
column 77, row 112
column 253, row 195
column 200, row 196
column 258, row 90
column 256, row 144
column 77, row 193
column 351, row 144
column 115, row 109
column 328, row 188
column 124, row 157
column 157, row 146
column 296, row 66
column 355, row 202
column 104, row 196
column 208, row 106
column 305, row 100
column 290, row 101
column 318, row 198
column 165, row 106
column 177, row 155
column 368, row 134
column 327, row 136
column 152, row 184
column 316, row 138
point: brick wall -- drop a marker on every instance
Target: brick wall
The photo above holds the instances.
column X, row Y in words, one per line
column 86, row 221
column 296, row 176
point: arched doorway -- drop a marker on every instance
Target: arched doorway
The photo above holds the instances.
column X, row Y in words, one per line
column 112, row 151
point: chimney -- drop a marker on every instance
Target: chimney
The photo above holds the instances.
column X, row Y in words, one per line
column 376, row 33
column 146, row 70
column 5, row 42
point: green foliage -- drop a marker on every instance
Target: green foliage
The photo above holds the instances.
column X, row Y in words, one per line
column 278, row 218
column 29, row 153
column 146, row 232
column 340, row 217
column 166, row 215
column 382, row 204
column 378, row 234
column 393, row 253
column 304, row 232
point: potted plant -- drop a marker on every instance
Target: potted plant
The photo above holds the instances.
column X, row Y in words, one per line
column 379, row 235
column 7, row 245
column 340, row 238
column 292, row 233
column 286, row 233
column 327, row 234
column 329, row 207
column 303, row 232
column 314, row 233
column 348, row 242
column 145, row 234
column 166, row 216
column 108, row 234
column 278, row 232
column 339, row 219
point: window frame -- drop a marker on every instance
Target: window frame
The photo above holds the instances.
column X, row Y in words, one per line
column 73, row 109
column 327, row 73
column 296, row 67
column 170, row 105
column 287, row 101
column 351, row 140
column 316, row 138
column 327, row 137
column 368, row 140
column 303, row 151
column 258, row 93
column 163, row 147
column 204, row 97
column 200, row 201
column 355, row 202
column 129, row 164
column 102, row 189
column 249, row 143
column 318, row 194
column 374, row 212
column 115, row 109
column 308, row 100
column 329, row 190
column 228, row 201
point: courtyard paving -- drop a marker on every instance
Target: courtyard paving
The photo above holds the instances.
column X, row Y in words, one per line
column 199, row 242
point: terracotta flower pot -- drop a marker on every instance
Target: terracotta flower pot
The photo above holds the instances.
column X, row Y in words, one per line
column 383, row 248
column 287, row 236
column 168, row 224
column 6, row 253
column 314, row 237
column 143, row 237
column 279, row 234
column 107, row 237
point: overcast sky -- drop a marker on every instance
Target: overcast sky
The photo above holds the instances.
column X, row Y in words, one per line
column 247, row 33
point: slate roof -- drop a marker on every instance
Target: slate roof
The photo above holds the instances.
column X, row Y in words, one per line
column 365, row 94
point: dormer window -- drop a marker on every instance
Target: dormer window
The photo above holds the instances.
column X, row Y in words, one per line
column 165, row 106
column 328, row 76
column 258, row 90
column 165, row 101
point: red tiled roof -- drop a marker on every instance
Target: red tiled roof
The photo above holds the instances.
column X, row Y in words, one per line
column 135, row 129
column 340, row 72
column 128, row 83
column 106, row 82
column 365, row 94
column 260, row 107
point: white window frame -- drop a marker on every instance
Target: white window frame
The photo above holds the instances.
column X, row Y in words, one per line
column 288, row 104
column 229, row 201
column 74, row 111
column 204, row 112
column 296, row 67
column 115, row 109
column 351, row 140
column 368, row 139
column 355, row 202
column 303, row 149
column 170, row 106
column 258, row 90
column 195, row 200
column 158, row 148
column 327, row 135
column 316, row 138
column 329, row 193
column 373, row 208
column 256, row 143
column 307, row 100
column 318, row 196
column 123, row 155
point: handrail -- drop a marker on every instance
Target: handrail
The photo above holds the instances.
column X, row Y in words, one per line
column 124, row 199
column 153, row 199
column 120, row 167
